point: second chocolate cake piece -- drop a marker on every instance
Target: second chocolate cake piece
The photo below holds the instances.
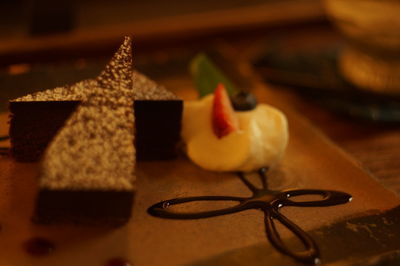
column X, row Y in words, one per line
column 158, row 115
column 87, row 173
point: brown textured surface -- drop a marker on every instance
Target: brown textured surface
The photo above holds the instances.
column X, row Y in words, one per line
column 143, row 89
column 94, row 150
column 90, row 163
column 146, row 240
column 75, row 92
column 146, row 89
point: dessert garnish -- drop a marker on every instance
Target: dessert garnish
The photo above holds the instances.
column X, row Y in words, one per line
column 269, row 202
column 218, row 138
column 224, row 120
column 243, row 101
column 207, row 75
column 226, row 130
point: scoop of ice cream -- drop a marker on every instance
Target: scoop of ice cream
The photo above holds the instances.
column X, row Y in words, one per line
column 260, row 140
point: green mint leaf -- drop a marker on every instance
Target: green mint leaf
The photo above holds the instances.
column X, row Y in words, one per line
column 207, row 75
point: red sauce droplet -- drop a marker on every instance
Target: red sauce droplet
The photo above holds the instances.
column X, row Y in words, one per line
column 39, row 246
column 118, row 262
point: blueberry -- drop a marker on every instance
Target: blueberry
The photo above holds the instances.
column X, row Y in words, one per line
column 243, row 101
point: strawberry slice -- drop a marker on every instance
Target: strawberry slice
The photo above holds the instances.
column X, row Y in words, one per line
column 224, row 120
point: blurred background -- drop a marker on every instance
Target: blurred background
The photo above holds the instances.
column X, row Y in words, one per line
column 336, row 61
column 40, row 26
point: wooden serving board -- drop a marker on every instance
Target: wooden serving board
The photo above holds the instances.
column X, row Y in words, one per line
column 311, row 161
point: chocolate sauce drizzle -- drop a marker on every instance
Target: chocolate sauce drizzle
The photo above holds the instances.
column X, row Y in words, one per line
column 268, row 201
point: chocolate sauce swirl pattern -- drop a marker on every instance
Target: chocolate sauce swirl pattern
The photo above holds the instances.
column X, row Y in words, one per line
column 269, row 202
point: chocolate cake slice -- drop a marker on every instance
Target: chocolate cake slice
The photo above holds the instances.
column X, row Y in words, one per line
column 36, row 118
column 87, row 173
column 158, row 115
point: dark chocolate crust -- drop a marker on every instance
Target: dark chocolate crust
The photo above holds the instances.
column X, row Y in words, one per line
column 111, row 208
column 34, row 124
column 158, row 127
